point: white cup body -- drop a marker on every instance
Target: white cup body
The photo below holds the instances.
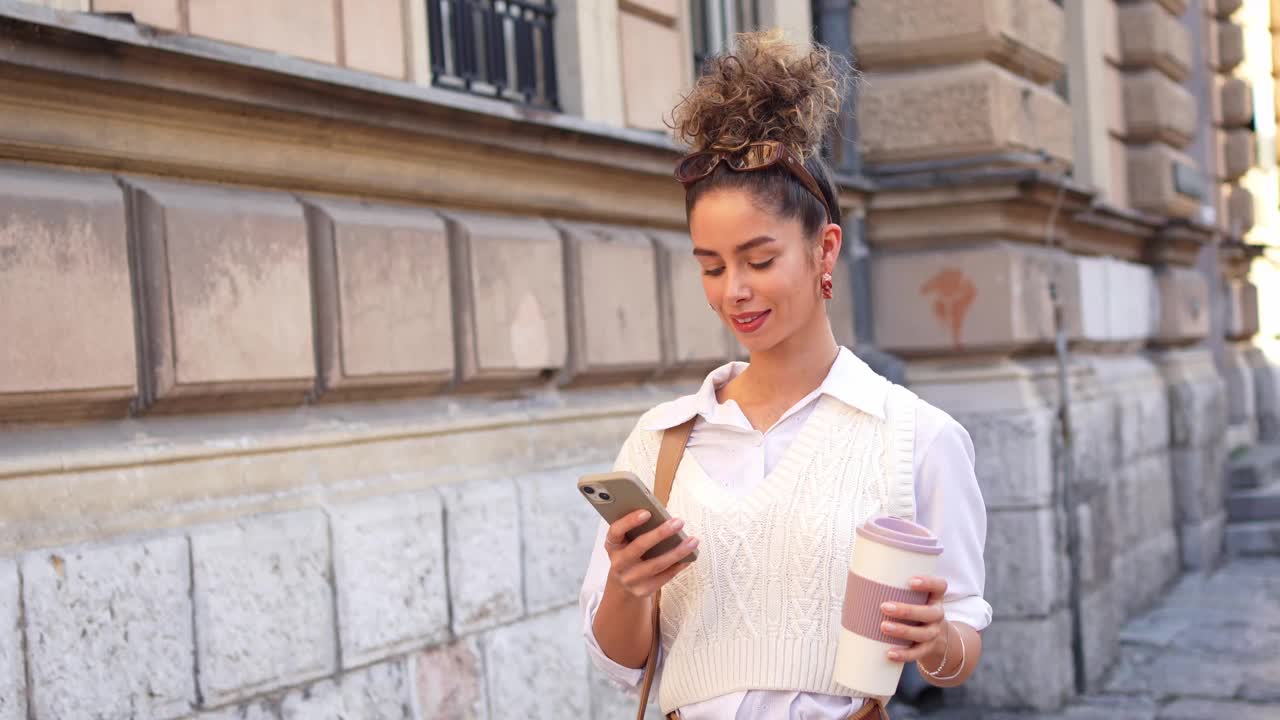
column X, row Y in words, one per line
column 862, row 664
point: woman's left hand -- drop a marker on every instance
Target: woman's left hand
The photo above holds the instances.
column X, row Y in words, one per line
column 929, row 638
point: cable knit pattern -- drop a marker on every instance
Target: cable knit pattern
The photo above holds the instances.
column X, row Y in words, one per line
column 761, row 607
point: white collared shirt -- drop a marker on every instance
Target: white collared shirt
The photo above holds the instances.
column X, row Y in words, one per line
column 732, row 452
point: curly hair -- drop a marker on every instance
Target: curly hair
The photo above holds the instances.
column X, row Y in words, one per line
column 767, row 88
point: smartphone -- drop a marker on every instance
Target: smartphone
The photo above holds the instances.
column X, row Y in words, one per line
column 617, row 494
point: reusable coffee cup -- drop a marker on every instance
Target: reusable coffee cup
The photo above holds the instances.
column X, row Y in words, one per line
column 889, row 551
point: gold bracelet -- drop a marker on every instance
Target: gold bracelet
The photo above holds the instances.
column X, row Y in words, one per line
column 963, row 657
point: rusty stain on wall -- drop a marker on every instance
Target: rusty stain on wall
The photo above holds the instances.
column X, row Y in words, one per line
column 953, row 294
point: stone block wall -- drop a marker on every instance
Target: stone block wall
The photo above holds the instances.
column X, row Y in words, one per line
column 450, row 601
column 248, row 299
column 1232, row 141
column 1151, row 62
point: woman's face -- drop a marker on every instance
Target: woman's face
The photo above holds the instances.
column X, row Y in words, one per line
column 760, row 272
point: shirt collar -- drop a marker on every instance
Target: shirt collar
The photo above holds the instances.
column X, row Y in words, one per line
column 850, row 380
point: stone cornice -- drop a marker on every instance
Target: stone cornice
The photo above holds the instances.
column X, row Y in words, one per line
column 83, row 90
column 930, row 209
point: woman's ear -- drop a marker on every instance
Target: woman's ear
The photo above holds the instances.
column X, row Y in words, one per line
column 829, row 246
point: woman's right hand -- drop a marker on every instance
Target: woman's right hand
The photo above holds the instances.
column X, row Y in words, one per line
column 629, row 570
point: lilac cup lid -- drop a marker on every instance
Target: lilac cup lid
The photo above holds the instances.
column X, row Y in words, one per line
column 901, row 534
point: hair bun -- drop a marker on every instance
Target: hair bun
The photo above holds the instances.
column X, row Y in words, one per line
column 766, row 89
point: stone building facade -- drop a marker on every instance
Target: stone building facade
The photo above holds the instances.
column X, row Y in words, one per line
column 309, row 320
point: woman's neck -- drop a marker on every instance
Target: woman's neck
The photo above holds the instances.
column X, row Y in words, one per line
column 791, row 369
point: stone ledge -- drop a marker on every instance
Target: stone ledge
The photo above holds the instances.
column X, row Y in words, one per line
column 1023, row 36
column 1225, row 45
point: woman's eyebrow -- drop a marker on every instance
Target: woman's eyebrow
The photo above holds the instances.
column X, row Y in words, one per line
column 753, row 243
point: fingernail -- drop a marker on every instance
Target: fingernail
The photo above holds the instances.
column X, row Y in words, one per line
column 676, row 524
column 889, row 608
column 916, row 582
column 644, row 515
column 887, row 626
column 693, row 542
column 895, row 655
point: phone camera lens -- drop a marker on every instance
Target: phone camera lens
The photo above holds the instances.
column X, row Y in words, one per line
column 588, row 489
column 603, row 496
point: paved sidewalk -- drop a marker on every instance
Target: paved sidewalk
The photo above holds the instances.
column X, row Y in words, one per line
column 1210, row 650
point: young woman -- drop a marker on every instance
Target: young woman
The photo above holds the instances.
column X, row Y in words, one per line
column 790, row 453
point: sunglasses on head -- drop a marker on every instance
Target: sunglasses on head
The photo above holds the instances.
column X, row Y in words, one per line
column 756, row 156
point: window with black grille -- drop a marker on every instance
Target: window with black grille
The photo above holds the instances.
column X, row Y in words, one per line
column 498, row 48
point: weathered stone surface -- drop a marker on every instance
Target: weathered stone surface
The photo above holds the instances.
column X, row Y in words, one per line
column 389, row 571
column 1151, row 179
column 1234, row 153
column 1151, row 37
column 378, row 691
column 612, row 287
column 260, row 710
column 1202, row 542
column 991, row 298
column 1165, row 674
column 109, row 630
column 483, row 540
column 374, row 37
column 1233, row 106
column 1013, row 456
column 384, row 312
column 1184, row 305
column 13, row 683
column 1100, row 623
column 692, row 335
column 1115, row 301
column 450, row 681
column 225, row 293
column 1096, row 441
column 510, row 295
column 64, row 286
column 158, row 13
column 1189, row 709
column 263, row 604
column 1140, row 574
column 540, row 665
column 1158, row 109
column 1025, row 37
column 1025, row 664
column 655, row 66
column 1266, row 383
column 1225, row 45
column 1238, row 209
column 609, row 700
column 1024, row 563
column 268, row 25
column 558, row 531
column 1199, row 481
column 965, row 110
column 1241, row 396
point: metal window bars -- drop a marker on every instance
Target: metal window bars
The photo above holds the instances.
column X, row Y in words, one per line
column 498, row 48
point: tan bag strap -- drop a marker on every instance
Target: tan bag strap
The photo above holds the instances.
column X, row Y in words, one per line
column 669, row 454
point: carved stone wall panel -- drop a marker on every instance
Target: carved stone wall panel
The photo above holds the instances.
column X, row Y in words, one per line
column 225, row 295
column 65, row 299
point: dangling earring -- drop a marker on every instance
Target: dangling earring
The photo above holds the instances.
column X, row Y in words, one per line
column 826, row 285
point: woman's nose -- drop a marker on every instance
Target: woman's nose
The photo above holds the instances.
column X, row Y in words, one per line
column 739, row 288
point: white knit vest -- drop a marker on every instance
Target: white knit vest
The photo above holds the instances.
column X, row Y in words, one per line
column 760, row 609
